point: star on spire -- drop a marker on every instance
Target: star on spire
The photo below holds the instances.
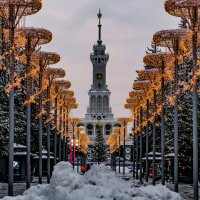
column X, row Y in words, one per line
column 99, row 15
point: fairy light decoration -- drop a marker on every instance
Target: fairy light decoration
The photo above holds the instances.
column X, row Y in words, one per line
column 12, row 12
column 189, row 10
column 43, row 60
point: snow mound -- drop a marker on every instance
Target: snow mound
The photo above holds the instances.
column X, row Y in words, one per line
column 98, row 183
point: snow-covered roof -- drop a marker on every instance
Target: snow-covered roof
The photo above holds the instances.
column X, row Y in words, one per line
column 170, row 155
column 156, row 153
column 23, row 153
column 19, row 146
column 151, row 158
column 20, row 153
column 43, row 157
column 45, row 152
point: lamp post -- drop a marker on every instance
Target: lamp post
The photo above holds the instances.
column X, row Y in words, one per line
column 83, row 143
column 51, row 74
column 61, row 133
column 117, row 129
column 81, row 128
column 137, row 144
column 74, row 122
column 56, row 120
column 58, row 89
column 171, row 39
column 77, row 157
column 78, row 153
column 72, row 150
column 68, row 104
column 189, row 10
column 124, row 156
column 43, row 59
column 78, row 146
column 68, row 94
column 113, row 144
column 65, row 134
column 162, row 61
column 147, row 141
column 119, row 150
column 150, row 75
column 131, row 106
column 141, row 119
column 133, row 103
column 144, row 83
column 73, row 106
column 134, row 154
column 124, row 121
column 12, row 12
column 34, row 37
column 138, row 94
column 154, row 137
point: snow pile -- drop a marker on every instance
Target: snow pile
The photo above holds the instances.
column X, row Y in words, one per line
column 98, row 183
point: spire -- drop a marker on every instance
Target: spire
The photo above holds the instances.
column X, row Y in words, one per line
column 99, row 15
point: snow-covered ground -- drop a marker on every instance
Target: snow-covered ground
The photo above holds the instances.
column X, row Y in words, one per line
column 97, row 183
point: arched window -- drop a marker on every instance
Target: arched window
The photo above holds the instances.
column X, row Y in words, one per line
column 108, row 129
column 99, row 104
column 89, row 129
column 105, row 104
column 93, row 104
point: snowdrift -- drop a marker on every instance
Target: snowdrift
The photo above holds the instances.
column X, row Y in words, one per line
column 98, row 183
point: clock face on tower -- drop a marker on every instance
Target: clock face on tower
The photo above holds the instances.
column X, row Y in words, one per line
column 99, row 76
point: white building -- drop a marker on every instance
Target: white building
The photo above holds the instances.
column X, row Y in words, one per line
column 99, row 109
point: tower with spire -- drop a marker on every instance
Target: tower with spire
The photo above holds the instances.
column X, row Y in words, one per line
column 99, row 110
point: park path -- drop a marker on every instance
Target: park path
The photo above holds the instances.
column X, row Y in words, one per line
column 19, row 188
column 185, row 190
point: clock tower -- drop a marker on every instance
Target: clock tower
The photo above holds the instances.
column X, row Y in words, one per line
column 99, row 109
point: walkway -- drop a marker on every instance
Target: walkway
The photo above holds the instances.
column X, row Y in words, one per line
column 19, row 188
column 185, row 190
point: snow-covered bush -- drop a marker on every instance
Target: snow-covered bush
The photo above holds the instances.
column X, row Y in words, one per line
column 98, row 183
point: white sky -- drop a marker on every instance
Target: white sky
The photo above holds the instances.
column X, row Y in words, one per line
column 128, row 28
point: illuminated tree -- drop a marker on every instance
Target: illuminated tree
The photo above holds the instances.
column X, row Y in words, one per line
column 58, row 89
column 172, row 40
column 68, row 106
column 114, row 144
column 12, row 12
column 188, row 9
column 100, row 148
column 50, row 74
column 34, row 37
column 84, row 142
column 124, row 121
column 66, row 103
column 162, row 62
column 82, row 145
column 42, row 60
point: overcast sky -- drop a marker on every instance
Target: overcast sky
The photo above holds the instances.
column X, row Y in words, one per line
column 128, row 27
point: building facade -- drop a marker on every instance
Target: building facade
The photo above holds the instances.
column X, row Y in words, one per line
column 99, row 110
